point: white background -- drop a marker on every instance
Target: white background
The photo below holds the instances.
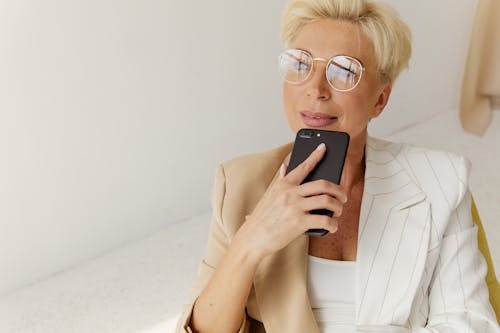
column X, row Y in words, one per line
column 115, row 114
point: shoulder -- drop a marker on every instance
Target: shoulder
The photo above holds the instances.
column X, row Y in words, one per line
column 434, row 170
column 403, row 149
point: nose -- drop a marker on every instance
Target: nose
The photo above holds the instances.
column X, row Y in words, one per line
column 318, row 86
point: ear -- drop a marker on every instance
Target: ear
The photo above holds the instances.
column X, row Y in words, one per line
column 383, row 98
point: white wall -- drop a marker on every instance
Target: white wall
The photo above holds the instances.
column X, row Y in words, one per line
column 114, row 114
column 433, row 81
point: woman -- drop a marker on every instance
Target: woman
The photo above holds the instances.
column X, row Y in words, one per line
column 401, row 254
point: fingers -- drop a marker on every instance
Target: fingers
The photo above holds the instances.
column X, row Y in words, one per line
column 322, row 186
column 323, row 201
column 315, row 221
column 297, row 175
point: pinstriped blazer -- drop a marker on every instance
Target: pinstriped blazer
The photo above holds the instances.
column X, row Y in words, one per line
column 419, row 268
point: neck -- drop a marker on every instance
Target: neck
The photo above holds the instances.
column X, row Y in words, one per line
column 354, row 166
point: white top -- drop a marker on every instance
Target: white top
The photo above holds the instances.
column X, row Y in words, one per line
column 332, row 294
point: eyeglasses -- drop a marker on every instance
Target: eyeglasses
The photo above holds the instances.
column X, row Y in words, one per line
column 343, row 72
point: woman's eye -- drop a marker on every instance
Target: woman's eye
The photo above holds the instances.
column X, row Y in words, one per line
column 347, row 72
column 341, row 73
column 300, row 66
column 341, row 77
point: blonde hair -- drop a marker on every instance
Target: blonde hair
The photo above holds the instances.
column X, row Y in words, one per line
column 390, row 36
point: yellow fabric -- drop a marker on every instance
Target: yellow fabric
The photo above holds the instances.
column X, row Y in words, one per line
column 491, row 280
column 481, row 81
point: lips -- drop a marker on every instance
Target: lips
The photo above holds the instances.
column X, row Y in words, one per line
column 317, row 119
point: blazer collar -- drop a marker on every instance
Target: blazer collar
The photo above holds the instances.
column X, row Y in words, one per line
column 280, row 281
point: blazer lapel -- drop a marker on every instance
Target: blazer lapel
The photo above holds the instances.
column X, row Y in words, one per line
column 393, row 237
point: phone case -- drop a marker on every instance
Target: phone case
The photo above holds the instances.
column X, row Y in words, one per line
column 331, row 165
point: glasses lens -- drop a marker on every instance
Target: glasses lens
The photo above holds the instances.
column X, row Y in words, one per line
column 295, row 65
column 343, row 72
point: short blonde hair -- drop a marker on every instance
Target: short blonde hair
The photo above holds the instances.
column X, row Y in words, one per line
column 390, row 36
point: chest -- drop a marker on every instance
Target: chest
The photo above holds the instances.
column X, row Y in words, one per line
column 341, row 245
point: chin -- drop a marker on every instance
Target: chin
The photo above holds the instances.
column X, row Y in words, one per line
column 333, row 127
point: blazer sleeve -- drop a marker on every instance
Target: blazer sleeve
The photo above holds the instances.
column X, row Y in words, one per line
column 458, row 294
column 217, row 244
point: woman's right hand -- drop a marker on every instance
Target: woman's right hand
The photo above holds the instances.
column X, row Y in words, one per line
column 282, row 214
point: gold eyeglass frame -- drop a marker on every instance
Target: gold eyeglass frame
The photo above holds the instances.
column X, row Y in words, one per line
column 328, row 61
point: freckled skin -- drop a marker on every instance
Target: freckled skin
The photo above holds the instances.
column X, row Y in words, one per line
column 341, row 245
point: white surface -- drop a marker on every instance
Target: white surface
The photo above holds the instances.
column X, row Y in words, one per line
column 112, row 123
column 138, row 288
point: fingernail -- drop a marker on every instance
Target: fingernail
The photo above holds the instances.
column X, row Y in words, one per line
column 345, row 199
column 282, row 169
column 321, row 146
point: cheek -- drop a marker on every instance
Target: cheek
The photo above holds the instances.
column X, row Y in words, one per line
column 287, row 97
column 364, row 103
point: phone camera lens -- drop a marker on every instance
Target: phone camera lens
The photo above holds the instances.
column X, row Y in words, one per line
column 307, row 134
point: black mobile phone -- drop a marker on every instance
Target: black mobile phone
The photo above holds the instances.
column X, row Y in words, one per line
column 331, row 165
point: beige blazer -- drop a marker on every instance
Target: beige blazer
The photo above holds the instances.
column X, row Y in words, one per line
column 419, row 268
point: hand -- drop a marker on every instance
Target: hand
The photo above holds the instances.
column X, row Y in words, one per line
column 282, row 214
